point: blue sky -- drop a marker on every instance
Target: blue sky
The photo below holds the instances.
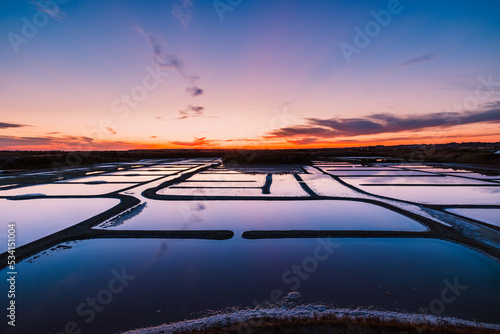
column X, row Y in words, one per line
column 263, row 72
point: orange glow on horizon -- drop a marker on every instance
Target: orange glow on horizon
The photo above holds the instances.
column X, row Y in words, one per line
column 261, row 146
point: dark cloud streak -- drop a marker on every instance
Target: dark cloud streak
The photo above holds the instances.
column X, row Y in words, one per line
column 11, row 125
column 191, row 111
column 386, row 123
column 194, row 91
column 167, row 60
column 45, row 140
column 419, row 60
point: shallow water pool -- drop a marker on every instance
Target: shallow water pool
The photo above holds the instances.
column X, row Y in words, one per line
column 489, row 216
column 438, row 194
column 66, row 189
column 428, row 180
column 37, row 218
column 240, row 216
column 171, row 280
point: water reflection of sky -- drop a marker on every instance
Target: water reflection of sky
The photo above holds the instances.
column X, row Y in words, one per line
column 490, row 216
column 184, row 278
column 37, row 218
column 440, row 195
column 65, row 189
column 413, row 180
column 240, row 216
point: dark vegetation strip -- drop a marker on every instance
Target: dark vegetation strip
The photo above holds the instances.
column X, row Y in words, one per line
column 266, row 189
column 453, row 153
column 161, row 234
column 304, row 185
column 220, row 181
column 93, row 183
column 281, row 234
column 463, row 206
column 187, row 187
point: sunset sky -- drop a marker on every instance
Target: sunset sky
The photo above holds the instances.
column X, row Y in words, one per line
column 90, row 75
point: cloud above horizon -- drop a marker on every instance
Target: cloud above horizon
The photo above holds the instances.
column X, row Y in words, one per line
column 49, row 7
column 419, row 60
column 47, row 142
column 194, row 91
column 384, row 123
column 168, row 60
column 191, row 111
column 44, row 140
column 4, row 125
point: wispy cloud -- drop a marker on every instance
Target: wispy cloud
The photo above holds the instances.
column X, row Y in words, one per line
column 419, row 60
column 43, row 140
column 167, row 60
column 111, row 130
column 4, row 125
column 194, row 91
column 191, row 111
column 183, row 12
column 305, row 141
column 299, row 26
column 49, row 7
column 385, row 123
